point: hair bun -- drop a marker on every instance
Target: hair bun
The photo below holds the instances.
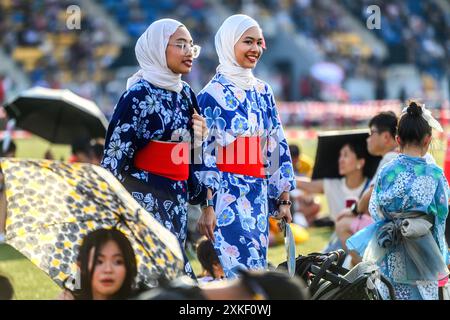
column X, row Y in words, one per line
column 414, row 109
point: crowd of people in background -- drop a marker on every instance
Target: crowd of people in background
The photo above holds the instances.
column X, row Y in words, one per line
column 414, row 31
column 86, row 60
column 36, row 35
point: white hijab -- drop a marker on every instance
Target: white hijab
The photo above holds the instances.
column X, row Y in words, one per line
column 229, row 33
column 151, row 55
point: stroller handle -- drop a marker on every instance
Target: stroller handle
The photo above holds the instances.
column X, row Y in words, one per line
column 337, row 256
column 330, row 258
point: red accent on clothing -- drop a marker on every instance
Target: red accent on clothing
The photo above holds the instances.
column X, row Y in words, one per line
column 242, row 156
column 72, row 159
column 2, row 92
column 443, row 282
column 447, row 160
column 167, row 159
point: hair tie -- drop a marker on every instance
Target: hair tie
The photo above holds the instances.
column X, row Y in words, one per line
column 426, row 114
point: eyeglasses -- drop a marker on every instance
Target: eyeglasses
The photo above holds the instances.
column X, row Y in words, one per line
column 187, row 47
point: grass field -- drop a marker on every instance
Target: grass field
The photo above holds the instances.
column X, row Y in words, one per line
column 31, row 283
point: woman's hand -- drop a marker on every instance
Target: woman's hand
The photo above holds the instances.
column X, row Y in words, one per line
column 200, row 129
column 284, row 211
column 344, row 214
column 207, row 222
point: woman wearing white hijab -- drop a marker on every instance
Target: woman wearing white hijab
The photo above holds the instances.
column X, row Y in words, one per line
column 247, row 165
column 147, row 143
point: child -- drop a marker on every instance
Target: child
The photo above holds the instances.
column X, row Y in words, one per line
column 207, row 256
column 409, row 205
column 107, row 267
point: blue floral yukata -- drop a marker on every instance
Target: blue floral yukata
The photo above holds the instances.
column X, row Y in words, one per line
column 144, row 113
column 407, row 184
column 243, row 203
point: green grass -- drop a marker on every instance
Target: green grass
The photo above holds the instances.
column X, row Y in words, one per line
column 36, row 147
column 29, row 282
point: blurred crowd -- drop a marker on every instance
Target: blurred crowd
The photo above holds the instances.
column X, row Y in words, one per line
column 35, row 35
column 416, row 32
column 136, row 16
column 321, row 24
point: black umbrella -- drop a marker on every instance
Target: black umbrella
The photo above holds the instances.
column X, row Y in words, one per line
column 328, row 148
column 59, row 116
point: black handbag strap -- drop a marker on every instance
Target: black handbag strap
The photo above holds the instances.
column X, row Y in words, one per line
column 194, row 104
column 366, row 185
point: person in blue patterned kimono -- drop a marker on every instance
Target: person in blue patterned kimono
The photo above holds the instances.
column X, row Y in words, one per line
column 409, row 205
column 149, row 134
column 242, row 119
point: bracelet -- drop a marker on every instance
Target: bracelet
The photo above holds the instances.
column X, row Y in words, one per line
column 207, row 203
column 284, row 202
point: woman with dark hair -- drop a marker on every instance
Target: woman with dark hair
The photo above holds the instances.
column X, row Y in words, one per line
column 107, row 265
column 341, row 192
column 409, row 205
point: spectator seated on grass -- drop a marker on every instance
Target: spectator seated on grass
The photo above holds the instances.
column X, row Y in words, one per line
column 87, row 150
column 96, row 150
column 305, row 208
column 339, row 191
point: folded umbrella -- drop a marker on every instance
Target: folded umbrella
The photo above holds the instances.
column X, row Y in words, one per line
column 52, row 205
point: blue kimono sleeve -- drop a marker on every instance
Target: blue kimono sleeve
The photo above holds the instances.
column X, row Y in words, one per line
column 279, row 163
column 120, row 142
column 207, row 171
column 197, row 191
column 441, row 200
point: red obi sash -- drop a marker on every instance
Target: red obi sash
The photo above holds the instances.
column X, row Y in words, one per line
column 242, row 156
column 167, row 159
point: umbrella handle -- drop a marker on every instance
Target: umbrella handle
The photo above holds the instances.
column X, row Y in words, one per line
column 58, row 120
column 283, row 223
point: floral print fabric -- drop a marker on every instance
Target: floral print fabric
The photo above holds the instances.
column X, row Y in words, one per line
column 408, row 184
column 243, row 203
column 145, row 113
